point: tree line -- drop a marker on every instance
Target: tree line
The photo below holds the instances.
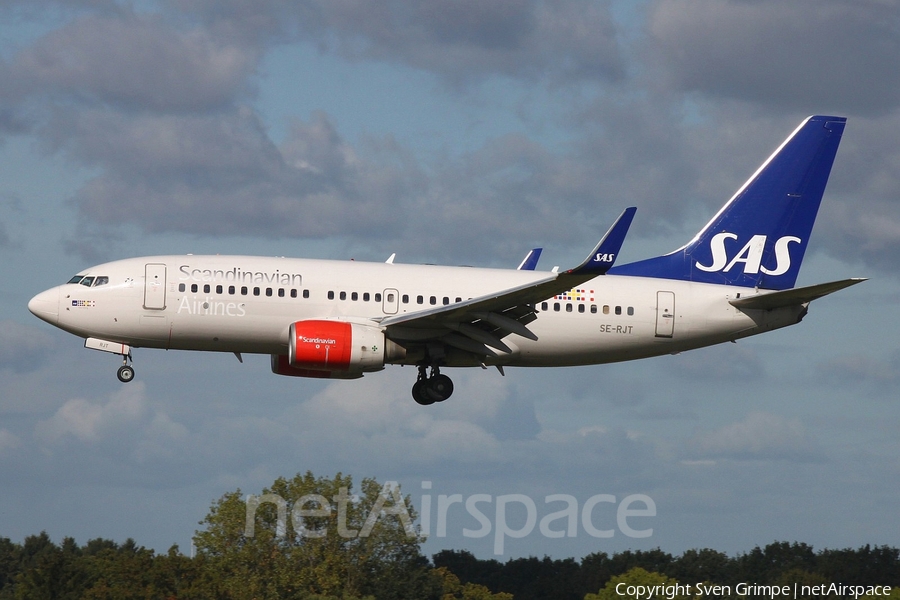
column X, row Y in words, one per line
column 317, row 538
column 778, row 563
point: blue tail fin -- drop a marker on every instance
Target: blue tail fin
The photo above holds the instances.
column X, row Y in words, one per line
column 759, row 237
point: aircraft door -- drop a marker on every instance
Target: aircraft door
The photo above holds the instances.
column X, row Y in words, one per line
column 391, row 301
column 154, row 286
column 665, row 314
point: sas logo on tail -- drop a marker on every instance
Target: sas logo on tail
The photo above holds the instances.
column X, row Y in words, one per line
column 605, row 257
column 750, row 255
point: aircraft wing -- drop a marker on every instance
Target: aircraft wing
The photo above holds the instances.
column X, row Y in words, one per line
column 794, row 296
column 479, row 324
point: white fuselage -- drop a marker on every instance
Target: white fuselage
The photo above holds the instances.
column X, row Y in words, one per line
column 247, row 305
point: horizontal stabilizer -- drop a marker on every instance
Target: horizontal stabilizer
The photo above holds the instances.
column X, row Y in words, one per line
column 793, row 297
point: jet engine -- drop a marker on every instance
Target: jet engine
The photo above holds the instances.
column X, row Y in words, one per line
column 335, row 349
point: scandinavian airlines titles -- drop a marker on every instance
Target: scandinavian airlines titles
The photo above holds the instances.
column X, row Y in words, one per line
column 239, row 275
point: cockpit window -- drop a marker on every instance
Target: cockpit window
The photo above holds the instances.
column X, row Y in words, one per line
column 89, row 281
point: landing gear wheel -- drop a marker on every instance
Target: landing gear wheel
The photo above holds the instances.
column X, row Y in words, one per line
column 430, row 389
column 125, row 374
column 419, row 393
column 440, row 387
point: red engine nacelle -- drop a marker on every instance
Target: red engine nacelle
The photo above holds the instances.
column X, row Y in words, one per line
column 335, row 349
column 281, row 366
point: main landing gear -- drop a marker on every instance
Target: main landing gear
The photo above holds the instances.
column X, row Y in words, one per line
column 429, row 389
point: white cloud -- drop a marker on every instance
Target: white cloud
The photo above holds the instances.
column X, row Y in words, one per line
column 462, row 41
column 163, row 438
column 760, row 436
column 92, row 421
column 169, row 141
column 798, row 54
column 22, row 347
column 131, row 62
column 8, row 440
column 378, row 417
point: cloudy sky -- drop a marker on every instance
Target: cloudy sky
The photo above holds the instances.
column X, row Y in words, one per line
column 460, row 132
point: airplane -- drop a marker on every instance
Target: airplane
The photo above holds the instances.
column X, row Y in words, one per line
column 342, row 319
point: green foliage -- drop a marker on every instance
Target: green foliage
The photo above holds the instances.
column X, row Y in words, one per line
column 598, row 568
column 307, row 538
column 638, row 577
column 452, row 589
column 314, row 538
column 311, row 536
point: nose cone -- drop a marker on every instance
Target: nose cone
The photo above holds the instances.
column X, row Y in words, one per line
column 45, row 306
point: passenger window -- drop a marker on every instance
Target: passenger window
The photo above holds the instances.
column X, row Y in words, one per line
column 390, row 297
column 181, row 287
column 206, row 289
column 581, row 308
column 593, row 309
column 405, row 298
column 354, row 296
column 306, row 293
column 101, row 281
column 231, row 290
column 256, row 291
column 330, row 295
column 568, row 308
column 618, row 310
column 544, row 306
column 194, row 288
column 293, row 293
column 458, row 299
column 281, row 292
column 420, row 300
column 446, row 300
column 269, row 292
column 433, row 300
column 243, row 290
column 219, row 289
column 343, row 295
column 630, row 311
column 366, row 296
column 377, row 297
column 556, row 306
column 606, row 309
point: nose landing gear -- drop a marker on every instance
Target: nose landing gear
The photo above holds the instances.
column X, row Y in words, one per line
column 430, row 389
column 125, row 372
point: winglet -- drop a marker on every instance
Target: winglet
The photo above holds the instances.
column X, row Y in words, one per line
column 602, row 258
column 531, row 260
